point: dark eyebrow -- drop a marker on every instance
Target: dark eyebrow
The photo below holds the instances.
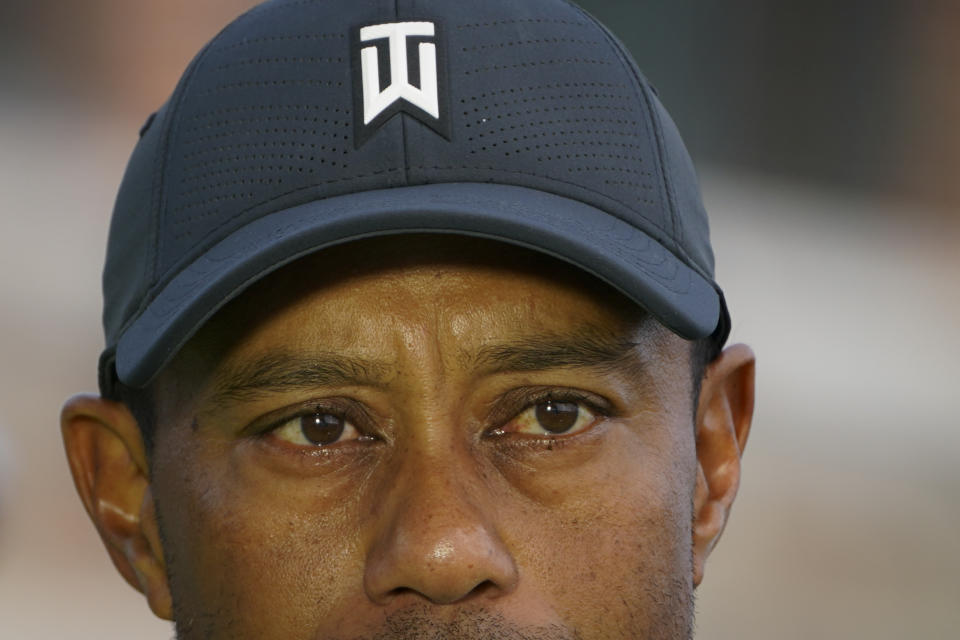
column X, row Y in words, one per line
column 590, row 347
column 277, row 372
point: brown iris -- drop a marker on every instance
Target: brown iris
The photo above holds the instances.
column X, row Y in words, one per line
column 557, row 417
column 322, row 428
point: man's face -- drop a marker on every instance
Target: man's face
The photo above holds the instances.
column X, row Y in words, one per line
column 394, row 439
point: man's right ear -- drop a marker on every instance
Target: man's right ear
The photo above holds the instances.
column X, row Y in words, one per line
column 109, row 465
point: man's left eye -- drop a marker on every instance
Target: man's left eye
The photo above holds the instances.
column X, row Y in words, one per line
column 317, row 429
column 552, row 418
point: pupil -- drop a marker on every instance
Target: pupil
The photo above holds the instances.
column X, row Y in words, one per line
column 322, row 428
column 557, row 417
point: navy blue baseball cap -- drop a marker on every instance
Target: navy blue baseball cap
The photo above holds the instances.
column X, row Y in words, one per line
column 310, row 123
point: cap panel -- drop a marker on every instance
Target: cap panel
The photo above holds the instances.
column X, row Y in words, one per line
column 681, row 176
column 266, row 122
column 133, row 221
column 540, row 100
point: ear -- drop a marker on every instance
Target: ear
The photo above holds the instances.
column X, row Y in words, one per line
column 109, row 466
column 724, row 414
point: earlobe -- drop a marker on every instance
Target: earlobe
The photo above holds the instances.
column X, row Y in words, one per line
column 109, row 467
column 724, row 416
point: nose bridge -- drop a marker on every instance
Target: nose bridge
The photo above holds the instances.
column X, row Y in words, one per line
column 436, row 532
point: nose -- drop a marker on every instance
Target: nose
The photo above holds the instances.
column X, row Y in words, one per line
column 436, row 538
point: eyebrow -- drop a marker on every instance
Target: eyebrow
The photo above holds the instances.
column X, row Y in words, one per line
column 281, row 371
column 590, row 347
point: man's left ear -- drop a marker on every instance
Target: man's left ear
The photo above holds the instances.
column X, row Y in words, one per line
column 110, row 471
column 724, row 414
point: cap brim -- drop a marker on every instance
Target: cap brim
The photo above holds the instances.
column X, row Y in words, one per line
column 601, row 244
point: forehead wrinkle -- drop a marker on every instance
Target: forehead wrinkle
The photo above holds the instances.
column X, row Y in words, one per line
column 279, row 371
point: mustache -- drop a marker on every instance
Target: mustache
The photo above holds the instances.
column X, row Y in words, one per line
column 418, row 624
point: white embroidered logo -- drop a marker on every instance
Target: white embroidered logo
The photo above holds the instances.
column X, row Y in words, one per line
column 425, row 97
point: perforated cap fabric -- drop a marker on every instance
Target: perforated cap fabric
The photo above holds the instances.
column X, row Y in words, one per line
column 308, row 123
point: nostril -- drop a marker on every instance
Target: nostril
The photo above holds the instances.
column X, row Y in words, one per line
column 400, row 592
column 485, row 589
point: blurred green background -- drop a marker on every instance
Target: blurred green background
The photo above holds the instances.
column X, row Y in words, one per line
column 827, row 135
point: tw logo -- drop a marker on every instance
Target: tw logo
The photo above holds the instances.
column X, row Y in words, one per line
column 399, row 67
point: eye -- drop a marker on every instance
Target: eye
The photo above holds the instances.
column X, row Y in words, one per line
column 317, row 429
column 552, row 417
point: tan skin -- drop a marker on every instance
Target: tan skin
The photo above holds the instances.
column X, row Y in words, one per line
column 430, row 466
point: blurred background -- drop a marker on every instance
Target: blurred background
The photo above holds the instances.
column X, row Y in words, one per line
column 827, row 135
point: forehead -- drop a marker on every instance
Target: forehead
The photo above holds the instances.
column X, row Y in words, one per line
column 466, row 292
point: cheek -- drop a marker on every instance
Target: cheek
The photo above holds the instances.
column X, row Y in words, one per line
column 619, row 525
column 248, row 556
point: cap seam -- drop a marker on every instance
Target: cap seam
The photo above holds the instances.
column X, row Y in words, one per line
column 160, row 164
column 638, row 78
column 662, row 152
column 653, row 121
column 158, row 200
